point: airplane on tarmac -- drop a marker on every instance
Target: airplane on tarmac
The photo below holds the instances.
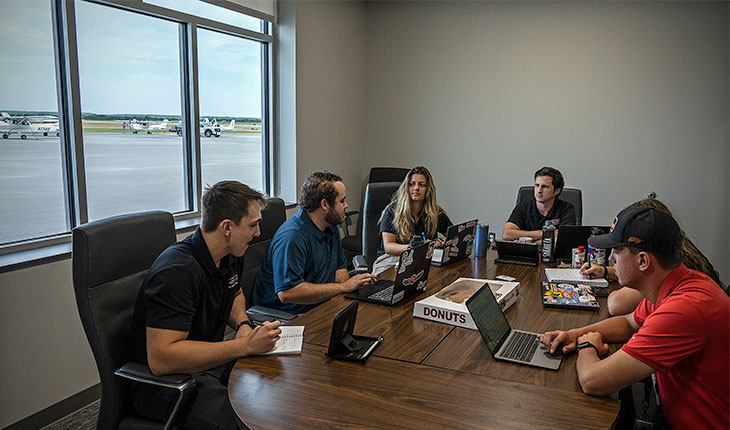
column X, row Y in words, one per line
column 28, row 125
column 138, row 126
column 224, row 128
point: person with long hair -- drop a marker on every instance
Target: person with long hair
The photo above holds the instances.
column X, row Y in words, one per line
column 412, row 212
column 625, row 300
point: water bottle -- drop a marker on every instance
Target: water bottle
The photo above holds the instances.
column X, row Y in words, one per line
column 596, row 255
column 481, row 240
column 548, row 241
column 416, row 240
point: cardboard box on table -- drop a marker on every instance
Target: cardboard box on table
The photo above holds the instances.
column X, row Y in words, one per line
column 450, row 312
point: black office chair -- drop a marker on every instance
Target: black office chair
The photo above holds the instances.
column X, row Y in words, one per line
column 352, row 243
column 272, row 216
column 110, row 260
column 573, row 196
column 377, row 198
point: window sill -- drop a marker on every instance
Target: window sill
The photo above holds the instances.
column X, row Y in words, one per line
column 62, row 251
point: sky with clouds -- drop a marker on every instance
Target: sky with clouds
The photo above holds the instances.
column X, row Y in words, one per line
column 128, row 62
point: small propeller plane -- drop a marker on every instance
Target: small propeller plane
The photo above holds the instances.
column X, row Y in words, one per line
column 28, row 125
column 138, row 126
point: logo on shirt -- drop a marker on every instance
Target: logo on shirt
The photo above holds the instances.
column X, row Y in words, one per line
column 233, row 282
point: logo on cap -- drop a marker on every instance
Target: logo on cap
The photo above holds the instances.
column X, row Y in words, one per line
column 613, row 226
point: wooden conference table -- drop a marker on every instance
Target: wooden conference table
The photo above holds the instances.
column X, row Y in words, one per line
column 425, row 374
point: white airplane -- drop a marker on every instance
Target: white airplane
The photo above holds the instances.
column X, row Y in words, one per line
column 138, row 126
column 46, row 127
column 224, row 128
column 30, row 125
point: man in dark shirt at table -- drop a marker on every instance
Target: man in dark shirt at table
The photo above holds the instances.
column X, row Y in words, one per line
column 529, row 216
column 305, row 264
column 189, row 295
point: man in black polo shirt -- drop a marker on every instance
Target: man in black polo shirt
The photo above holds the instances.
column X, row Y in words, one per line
column 529, row 216
column 189, row 295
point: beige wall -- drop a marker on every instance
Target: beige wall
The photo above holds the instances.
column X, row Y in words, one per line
column 331, row 92
column 45, row 356
column 623, row 97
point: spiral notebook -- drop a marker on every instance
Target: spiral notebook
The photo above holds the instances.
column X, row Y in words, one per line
column 290, row 340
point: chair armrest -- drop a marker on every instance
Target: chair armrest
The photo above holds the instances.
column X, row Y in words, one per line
column 262, row 314
column 141, row 373
column 360, row 263
column 348, row 214
column 185, row 384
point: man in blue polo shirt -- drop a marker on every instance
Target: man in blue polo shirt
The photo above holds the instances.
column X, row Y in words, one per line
column 305, row 265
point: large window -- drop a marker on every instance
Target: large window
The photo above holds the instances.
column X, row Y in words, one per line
column 157, row 99
column 128, row 67
column 230, row 96
column 31, row 191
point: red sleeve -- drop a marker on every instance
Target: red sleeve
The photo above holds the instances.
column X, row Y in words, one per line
column 642, row 311
column 670, row 334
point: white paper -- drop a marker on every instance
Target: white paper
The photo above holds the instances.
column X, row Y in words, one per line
column 290, row 340
column 573, row 276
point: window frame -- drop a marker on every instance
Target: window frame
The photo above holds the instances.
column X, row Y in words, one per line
column 63, row 18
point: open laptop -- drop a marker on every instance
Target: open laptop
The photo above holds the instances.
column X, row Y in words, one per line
column 573, row 236
column 504, row 343
column 525, row 253
column 458, row 244
column 411, row 278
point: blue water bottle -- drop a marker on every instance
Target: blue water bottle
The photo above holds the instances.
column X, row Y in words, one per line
column 481, row 239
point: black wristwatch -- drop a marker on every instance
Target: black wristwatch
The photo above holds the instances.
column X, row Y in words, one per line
column 246, row 322
column 586, row 345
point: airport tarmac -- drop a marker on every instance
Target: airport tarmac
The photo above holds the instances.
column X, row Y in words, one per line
column 124, row 173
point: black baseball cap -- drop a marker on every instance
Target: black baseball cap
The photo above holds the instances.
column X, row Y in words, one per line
column 644, row 228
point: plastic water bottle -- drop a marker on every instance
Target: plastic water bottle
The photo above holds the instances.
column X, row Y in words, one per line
column 548, row 241
column 596, row 255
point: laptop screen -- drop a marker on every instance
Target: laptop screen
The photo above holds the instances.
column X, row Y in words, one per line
column 488, row 318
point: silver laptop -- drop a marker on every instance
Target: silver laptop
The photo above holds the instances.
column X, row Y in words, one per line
column 504, row 343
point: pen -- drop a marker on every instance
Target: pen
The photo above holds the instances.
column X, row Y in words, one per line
column 367, row 353
column 423, row 235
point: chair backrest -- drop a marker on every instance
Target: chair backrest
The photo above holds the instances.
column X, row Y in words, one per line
column 272, row 216
column 573, row 196
column 110, row 260
column 377, row 174
column 387, row 174
column 377, row 197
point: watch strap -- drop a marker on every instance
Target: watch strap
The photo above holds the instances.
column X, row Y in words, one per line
column 586, row 345
column 246, row 322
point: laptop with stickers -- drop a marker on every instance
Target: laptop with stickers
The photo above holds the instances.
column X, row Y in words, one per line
column 411, row 278
column 458, row 244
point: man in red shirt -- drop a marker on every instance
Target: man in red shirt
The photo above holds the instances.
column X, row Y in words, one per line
column 680, row 331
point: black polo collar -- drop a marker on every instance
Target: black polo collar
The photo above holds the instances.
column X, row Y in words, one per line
column 203, row 254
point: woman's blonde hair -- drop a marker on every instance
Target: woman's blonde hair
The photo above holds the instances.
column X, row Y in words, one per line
column 403, row 216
